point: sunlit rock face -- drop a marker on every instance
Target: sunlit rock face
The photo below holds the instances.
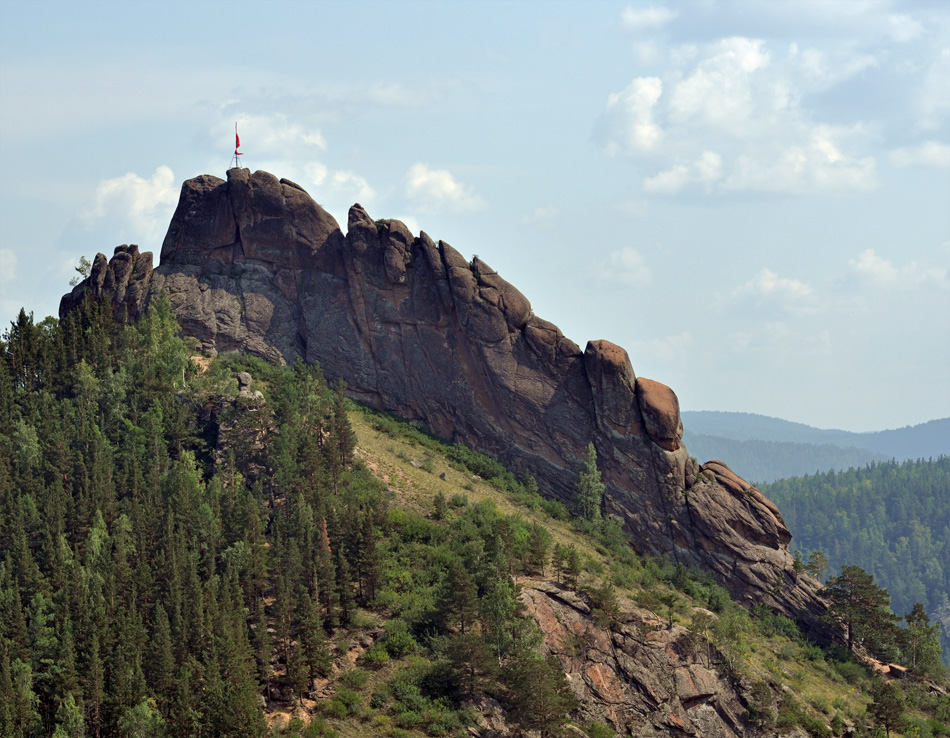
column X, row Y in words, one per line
column 253, row 264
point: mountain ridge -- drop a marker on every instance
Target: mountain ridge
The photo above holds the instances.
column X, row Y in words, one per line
column 253, row 264
column 756, row 427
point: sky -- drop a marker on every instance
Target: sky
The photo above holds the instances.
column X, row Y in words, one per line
column 751, row 197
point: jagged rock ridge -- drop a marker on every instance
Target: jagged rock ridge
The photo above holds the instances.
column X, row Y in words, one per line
column 254, row 264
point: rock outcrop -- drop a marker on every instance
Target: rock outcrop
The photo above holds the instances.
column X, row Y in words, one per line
column 254, row 264
column 639, row 676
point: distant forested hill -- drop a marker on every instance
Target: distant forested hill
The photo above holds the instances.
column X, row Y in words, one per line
column 763, row 449
column 891, row 518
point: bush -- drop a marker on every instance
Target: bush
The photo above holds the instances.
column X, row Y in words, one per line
column 376, row 656
column 319, row 728
column 350, row 699
column 355, row 678
column 397, row 641
column 599, row 730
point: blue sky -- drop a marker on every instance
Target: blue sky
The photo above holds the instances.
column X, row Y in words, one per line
column 751, row 197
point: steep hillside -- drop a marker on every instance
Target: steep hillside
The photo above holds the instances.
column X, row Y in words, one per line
column 213, row 546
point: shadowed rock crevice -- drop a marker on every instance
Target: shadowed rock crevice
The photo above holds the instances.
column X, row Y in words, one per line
column 254, row 264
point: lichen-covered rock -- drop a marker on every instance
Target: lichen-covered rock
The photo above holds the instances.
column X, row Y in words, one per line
column 253, row 264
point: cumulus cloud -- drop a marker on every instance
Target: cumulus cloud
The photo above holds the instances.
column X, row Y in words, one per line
column 642, row 19
column 139, row 208
column 436, row 190
column 883, row 273
column 627, row 266
column 8, row 262
column 719, row 91
column 729, row 115
column 706, row 170
column 626, row 125
column 927, row 154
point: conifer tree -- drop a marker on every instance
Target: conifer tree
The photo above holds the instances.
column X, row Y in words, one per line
column 589, row 490
column 862, row 608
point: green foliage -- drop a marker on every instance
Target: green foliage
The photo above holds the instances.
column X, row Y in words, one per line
column 589, row 490
column 863, row 609
column 890, row 518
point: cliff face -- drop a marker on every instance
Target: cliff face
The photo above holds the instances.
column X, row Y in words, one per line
column 254, row 264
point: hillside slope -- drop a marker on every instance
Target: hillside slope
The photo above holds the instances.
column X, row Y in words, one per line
column 217, row 547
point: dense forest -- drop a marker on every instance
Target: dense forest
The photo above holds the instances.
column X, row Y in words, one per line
column 180, row 556
column 891, row 518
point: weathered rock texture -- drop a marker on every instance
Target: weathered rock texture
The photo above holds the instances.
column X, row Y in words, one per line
column 254, row 264
column 640, row 677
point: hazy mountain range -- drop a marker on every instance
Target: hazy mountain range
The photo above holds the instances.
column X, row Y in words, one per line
column 764, row 449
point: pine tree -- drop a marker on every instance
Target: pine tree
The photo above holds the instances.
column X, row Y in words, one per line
column 538, row 696
column 887, row 707
column 589, row 490
column 862, row 608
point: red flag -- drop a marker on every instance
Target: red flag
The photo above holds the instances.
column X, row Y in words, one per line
column 237, row 141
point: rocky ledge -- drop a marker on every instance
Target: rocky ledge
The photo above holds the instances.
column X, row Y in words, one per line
column 253, row 264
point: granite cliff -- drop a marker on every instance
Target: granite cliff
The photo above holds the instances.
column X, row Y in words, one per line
column 253, row 264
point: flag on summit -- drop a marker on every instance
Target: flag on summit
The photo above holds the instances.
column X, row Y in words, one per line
column 237, row 144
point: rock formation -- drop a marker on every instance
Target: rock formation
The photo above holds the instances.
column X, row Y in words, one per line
column 254, row 264
column 640, row 676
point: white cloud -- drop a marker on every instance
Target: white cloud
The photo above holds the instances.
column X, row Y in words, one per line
column 139, row 208
column 626, row 125
column 543, row 216
column 669, row 182
column 927, row 154
column 768, row 283
column 816, row 164
column 640, row 19
column 436, row 190
column 350, row 182
column 627, row 266
column 767, row 290
column 719, row 91
column 730, row 117
column 271, row 135
column 884, row 273
column 706, row 170
column 8, row 262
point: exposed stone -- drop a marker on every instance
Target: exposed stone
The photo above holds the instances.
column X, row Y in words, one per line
column 253, row 264
column 640, row 680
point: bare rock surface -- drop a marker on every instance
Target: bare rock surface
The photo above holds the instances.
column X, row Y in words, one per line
column 253, row 264
column 640, row 677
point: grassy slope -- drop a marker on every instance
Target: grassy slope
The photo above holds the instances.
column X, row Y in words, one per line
column 412, row 473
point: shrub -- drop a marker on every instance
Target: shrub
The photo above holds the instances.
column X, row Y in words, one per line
column 397, row 641
column 355, row 678
column 376, row 656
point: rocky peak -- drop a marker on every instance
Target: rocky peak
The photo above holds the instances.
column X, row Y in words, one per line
column 254, row 264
